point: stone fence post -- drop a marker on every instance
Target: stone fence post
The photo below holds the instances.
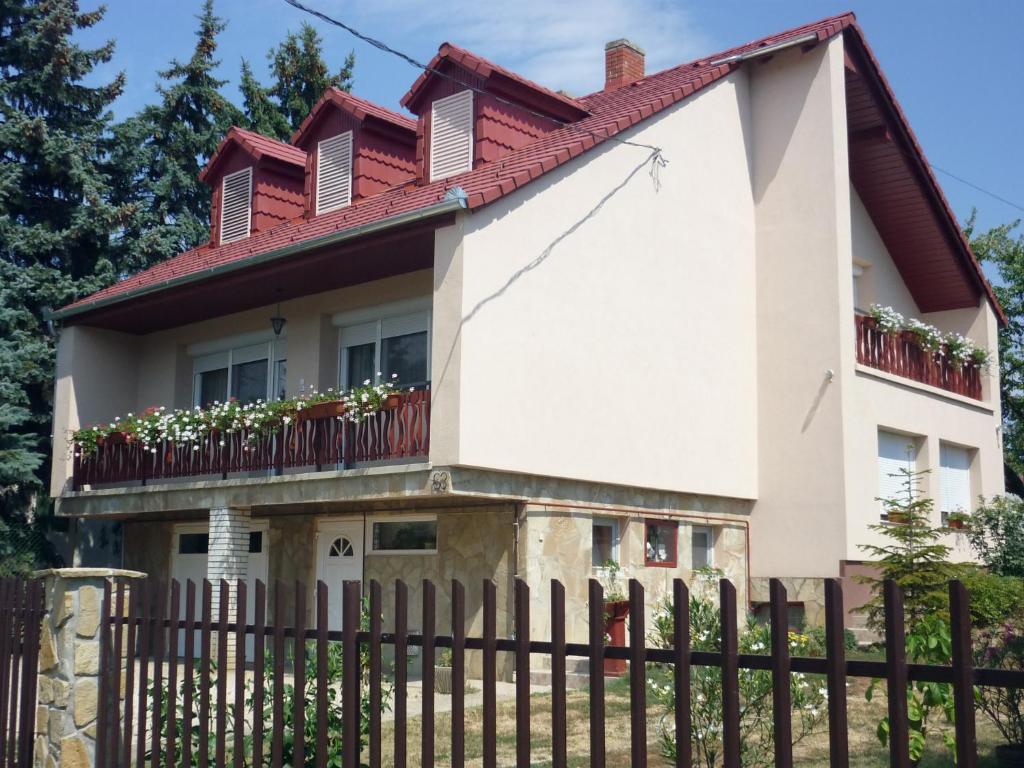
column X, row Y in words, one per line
column 69, row 664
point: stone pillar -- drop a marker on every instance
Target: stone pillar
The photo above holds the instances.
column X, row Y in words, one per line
column 228, row 559
column 69, row 659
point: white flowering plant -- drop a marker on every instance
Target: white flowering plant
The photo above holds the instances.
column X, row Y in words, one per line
column 957, row 348
column 193, row 426
column 928, row 336
column 887, row 319
column 808, row 692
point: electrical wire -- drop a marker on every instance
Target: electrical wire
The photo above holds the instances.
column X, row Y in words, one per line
column 975, row 187
column 656, row 152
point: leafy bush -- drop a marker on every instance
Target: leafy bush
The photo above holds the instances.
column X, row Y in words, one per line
column 809, row 694
column 1002, row 648
column 996, row 534
column 817, row 635
column 994, row 598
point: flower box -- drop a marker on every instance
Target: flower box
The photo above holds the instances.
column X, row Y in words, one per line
column 327, row 409
column 899, row 518
column 112, row 438
column 957, row 522
column 391, row 401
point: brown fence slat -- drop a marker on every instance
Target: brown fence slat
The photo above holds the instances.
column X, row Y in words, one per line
column 522, row 626
column 730, row 676
column 189, row 673
column 835, row 660
column 106, row 655
column 782, row 704
column 277, row 738
column 637, row 676
column 401, row 671
column 490, row 675
column 427, row 655
column 258, row 661
column 458, row 610
column 30, row 668
column 156, row 700
column 205, row 632
column 299, row 673
column 114, row 677
column 223, row 618
column 681, row 677
column 6, row 655
column 896, row 676
column 134, row 598
column 17, row 628
column 376, row 630
column 559, row 757
column 963, row 690
column 350, row 606
column 145, row 640
column 321, row 674
column 238, row 746
column 174, row 611
column 596, row 649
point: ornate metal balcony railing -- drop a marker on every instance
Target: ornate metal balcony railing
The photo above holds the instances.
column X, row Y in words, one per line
column 313, row 444
column 901, row 354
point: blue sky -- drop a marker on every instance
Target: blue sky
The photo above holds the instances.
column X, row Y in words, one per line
column 955, row 67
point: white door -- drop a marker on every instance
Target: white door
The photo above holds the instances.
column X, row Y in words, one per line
column 339, row 558
column 189, row 560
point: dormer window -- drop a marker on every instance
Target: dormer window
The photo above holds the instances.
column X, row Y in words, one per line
column 334, row 172
column 236, row 205
column 451, row 135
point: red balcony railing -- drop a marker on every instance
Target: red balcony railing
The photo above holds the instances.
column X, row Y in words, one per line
column 902, row 355
column 314, row 444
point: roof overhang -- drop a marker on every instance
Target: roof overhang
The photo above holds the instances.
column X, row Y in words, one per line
column 291, row 159
column 370, row 115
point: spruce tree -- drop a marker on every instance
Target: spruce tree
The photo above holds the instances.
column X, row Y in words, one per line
column 161, row 151
column 300, row 76
column 55, row 226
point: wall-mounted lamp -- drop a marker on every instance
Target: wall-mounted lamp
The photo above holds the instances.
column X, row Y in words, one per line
column 277, row 321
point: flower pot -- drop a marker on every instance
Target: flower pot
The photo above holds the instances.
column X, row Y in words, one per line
column 899, row 518
column 112, row 438
column 391, row 401
column 615, row 613
column 443, row 680
column 325, row 410
column 1010, row 756
column 956, row 524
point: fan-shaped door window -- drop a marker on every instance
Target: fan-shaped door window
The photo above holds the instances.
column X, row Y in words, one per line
column 341, row 547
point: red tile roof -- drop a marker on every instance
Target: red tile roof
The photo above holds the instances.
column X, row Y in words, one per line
column 358, row 108
column 610, row 114
column 485, row 69
column 257, row 146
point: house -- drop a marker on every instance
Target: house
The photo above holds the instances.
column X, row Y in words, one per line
column 628, row 326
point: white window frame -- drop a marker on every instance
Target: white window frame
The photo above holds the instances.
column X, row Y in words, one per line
column 341, row 137
column 370, row 521
column 248, row 208
column 374, row 324
column 711, row 544
column 226, row 353
column 613, row 523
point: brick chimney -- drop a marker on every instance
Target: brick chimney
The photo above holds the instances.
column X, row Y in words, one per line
column 623, row 64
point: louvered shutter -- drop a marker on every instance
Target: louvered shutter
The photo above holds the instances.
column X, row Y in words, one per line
column 334, row 172
column 451, row 135
column 236, row 205
column 894, row 457
column 954, row 479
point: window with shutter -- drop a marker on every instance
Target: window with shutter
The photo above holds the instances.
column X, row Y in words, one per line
column 896, row 453
column 451, row 135
column 236, row 205
column 334, row 172
column 954, row 479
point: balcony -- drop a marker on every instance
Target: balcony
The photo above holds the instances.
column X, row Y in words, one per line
column 900, row 354
column 329, row 443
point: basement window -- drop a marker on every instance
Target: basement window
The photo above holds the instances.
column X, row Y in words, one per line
column 235, row 206
column 403, row 536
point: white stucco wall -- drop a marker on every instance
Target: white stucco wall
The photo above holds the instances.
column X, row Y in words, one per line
column 607, row 329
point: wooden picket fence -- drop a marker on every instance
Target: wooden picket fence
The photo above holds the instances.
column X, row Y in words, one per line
column 21, row 612
column 141, row 637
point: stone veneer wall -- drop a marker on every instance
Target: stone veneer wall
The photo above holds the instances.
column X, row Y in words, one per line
column 556, row 543
column 69, row 665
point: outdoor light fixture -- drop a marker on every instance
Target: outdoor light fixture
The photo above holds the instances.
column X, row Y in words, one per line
column 277, row 322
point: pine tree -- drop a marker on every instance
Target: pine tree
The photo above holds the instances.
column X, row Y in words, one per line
column 160, row 152
column 300, row 76
column 55, row 227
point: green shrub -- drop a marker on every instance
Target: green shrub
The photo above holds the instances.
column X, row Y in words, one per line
column 994, row 598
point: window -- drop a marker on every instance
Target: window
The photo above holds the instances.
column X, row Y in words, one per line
column 605, row 541
column 341, row 547
column 396, row 345
column 241, row 372
column 235, row 205
column 795, row 615
column 858, row 273
column 193, row 543
column 334, row 172
column 897, row 455
column 411, row 535
column 451, row 135
column 660, row 543
column 954, row 479
column 255, row 542
column 702, row 547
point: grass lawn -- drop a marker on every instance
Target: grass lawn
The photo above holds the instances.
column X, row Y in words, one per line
column 865, row 750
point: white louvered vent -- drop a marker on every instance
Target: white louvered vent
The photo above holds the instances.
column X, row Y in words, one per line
column 334, row 172
column 451, row 135
column 236, row 206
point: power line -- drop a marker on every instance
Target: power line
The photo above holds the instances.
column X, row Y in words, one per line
column 973, row 186
column 656, row 152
